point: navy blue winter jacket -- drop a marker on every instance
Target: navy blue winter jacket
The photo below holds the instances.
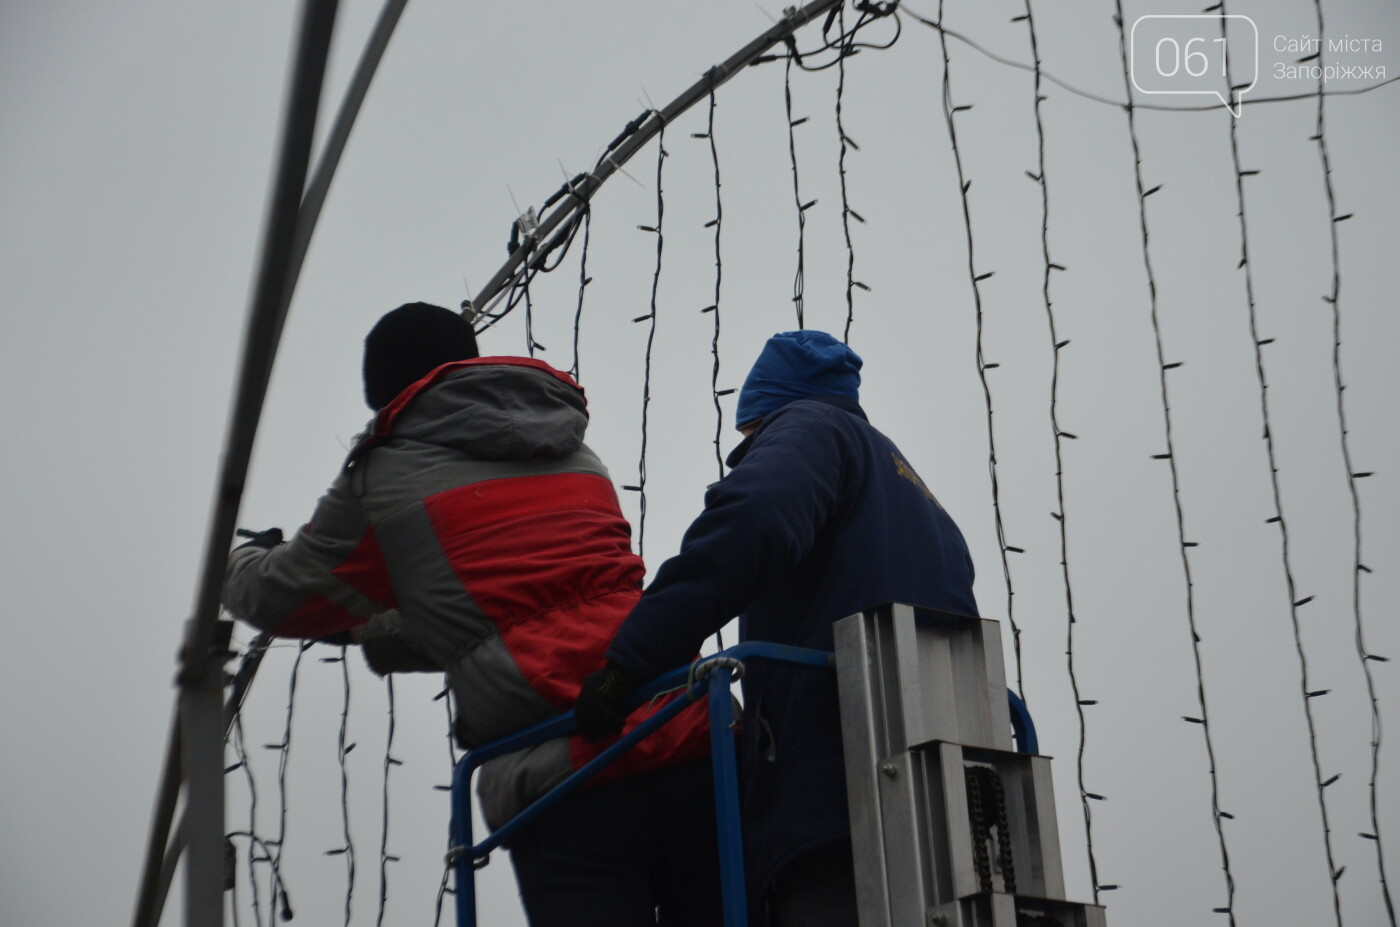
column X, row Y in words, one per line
column 820, row 518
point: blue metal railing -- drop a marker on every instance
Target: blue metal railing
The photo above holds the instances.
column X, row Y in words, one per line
column 712, row 676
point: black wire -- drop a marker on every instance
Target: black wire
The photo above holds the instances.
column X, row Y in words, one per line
column 389, row 762
column 342, row 750
column 798, row 283
column 1169, row 456
column 949, row 113
column 443, row 890
column 650, row 318
column 717, row 223
column 583, row 281
column 846, row 211
column 284, row 753
column 240, row 751
column 1294, row 603
column 1358, row 565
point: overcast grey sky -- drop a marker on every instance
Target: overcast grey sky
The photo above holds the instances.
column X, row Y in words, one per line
column 137, row 144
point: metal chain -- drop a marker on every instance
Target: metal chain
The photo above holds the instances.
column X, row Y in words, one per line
column 1008, row 863
column 980, row 834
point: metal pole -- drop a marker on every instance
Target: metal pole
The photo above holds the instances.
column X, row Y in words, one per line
column 733, row 894
column 150, row 899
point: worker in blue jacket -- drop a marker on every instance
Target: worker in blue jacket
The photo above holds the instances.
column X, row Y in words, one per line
column 822, row 516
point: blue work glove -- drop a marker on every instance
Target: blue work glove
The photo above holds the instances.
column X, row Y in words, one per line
column 599, row 710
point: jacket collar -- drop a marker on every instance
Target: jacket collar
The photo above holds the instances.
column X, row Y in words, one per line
column 840, row 402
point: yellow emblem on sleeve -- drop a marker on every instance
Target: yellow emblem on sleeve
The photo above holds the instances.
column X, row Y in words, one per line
column 906, row 471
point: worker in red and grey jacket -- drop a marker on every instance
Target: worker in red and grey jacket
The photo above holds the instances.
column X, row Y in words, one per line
column 472, row 532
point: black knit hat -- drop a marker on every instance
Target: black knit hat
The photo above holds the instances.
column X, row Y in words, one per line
column 407, row 344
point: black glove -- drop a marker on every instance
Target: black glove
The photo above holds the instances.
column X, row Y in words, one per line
column 599, row 709
column 266, row 539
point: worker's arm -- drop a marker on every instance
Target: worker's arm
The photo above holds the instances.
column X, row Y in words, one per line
column 759, row 522
column 328, row 579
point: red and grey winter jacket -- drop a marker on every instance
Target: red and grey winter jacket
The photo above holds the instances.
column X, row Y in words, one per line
column 472, row 532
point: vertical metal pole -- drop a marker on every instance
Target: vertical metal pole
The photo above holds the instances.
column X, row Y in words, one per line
column 726, row 776
column 464, row 867
column 202, row 745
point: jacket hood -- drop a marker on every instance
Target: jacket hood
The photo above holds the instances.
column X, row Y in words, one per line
column 493, row 408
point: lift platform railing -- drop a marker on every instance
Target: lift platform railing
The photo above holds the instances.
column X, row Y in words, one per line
column 711, row 676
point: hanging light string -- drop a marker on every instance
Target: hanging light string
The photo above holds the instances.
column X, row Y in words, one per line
column 241, row 762
column 583, row 281
column 1163, row 369
column 798, row 283
column 1294, row 601
column 385, row 858
column 343, row 748
column 444, row 888
column 650, row 318
column 1359, row 567
column 950, row 113
column 279, row 900
column 847, row 213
